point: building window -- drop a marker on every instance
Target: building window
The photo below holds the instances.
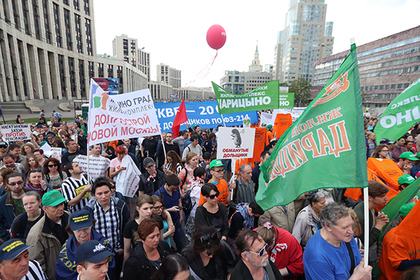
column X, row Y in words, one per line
column 393, row 86
column 79, row 44
column 88, row 37
column 62, row 75
column 15, row 14
column 36, row 19
column 76, row 4
column 100, row 70
column 46, row 22
column 82, row 78
column 91, row 70
column 381, row 87
column 72, row 77
column 376, row 87
column 86, row 6
column 110, row 71
column 68, row 29
column 399, row 86
column 66, row 2
column 125, row 47
column 26, row 16
column 20, row 47
column 119, row 72
column 57, row 26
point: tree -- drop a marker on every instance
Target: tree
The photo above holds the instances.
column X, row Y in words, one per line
column 301, row 88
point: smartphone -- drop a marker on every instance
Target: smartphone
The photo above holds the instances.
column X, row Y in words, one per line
column 180, row 208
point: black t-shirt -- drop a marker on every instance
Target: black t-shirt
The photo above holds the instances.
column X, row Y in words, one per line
column 68, row 157
column 149, row 147
column 110, row 151
column 131, row 232
column 236, row 224
column 21, row 226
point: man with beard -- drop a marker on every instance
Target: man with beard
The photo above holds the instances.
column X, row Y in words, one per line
column 254, row 263
column 11, row 203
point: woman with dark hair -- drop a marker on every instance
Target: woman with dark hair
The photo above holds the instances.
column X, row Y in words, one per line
column 208, row 256
column 174, row 267
column 162, row 214
column 27, row 149
column 212, row 212
column 31, row 164
column 147, row 256
column 307, row 221
column 174, row 163
column 39, row 153
column 144, row 205
column 35, row 182
column 381, row 151
column 54, row 174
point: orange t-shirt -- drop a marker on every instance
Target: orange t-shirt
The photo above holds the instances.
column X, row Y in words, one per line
column 222, row 186
column 281, row 124
column 260, row 142
column 387, row 170
column 270, row 135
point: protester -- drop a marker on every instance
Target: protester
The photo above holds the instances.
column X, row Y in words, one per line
column 283, row 250
column 32, row 164
column 14, row 149
column 92, row 261
column 11, row 204
column 206, row 144
column 207, row 256
column 169, row 145
column 381, row 151
column 152, row 179
column 245, row 216
column 196, row 184
column 398, row 149
column 27, row 149
column 183, row 135
column 72, row 152
column 48, row 234
column 187, row 174
column 15, row 263
column 404, row 181
column 245, row 188
column 256, row 170
column 390, row 146
column 405, row 162
column 212, row 212
column 147, row 256
column 308, row 221
column 370, row 143
column 254, row 262
column 174, row 163
column 206, row 165
column 39, row 153
column 174, row 267
column 23, row 223
column 54, row 174
column 148, row 147
column 35, row 182
column 75, row 188
column 80, row 231
column 144, row 205
column 326, row 254
column 160, row 214
column 193, row 147
column 115, row 166
column 8, row 161
column 3, row 148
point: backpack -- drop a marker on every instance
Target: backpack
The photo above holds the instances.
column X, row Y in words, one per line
column 186, row 201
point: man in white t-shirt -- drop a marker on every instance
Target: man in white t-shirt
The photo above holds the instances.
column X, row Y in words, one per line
column 193, row 147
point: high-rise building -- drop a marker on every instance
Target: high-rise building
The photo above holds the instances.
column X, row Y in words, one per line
column 386, row 67
column 168, row 75
column 306, row 38
column 255, row 65
column 48, row 51
column 127, row 49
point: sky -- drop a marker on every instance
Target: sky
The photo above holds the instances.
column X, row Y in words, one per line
column 174, row 32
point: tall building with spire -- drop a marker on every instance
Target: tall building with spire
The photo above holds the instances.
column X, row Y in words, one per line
column 255, row 65
column 306, row 38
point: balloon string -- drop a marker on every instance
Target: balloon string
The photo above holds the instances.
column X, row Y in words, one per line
column 200, row 75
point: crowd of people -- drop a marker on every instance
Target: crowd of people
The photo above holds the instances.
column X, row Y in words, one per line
column 192, row 216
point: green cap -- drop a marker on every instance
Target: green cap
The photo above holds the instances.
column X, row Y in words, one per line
column 216, row 163
column 409, row 155
column 269, row 126
column 406, row 208
column 405, row 179
column 53, row 198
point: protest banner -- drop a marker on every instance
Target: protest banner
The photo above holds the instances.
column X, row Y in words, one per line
column 324, row 148
column 235, row 143
column 47, row 149
column 203, row 114
column 56, row 153
column 97, row 165
column 400, row 115
column 263, row 97
column 286, row 100
column 15, row 132
column 122, row 116
column 127, row 181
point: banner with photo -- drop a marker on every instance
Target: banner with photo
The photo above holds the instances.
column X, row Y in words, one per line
column 235, row 143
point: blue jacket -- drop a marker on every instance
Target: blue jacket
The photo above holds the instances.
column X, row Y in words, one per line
column 65, row 268
column 7, row 215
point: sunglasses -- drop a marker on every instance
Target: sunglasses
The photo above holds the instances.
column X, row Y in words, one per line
column 260, row 252
column 53, row 165
column 206, row 238
column 15, row 183
column 35, row 170
column 213, row 196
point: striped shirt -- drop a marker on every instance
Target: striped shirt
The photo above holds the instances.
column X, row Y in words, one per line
column 108, row 223
column 35, row 272
column 70, row 188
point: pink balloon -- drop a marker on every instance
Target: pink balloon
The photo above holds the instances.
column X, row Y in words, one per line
column 216, row 36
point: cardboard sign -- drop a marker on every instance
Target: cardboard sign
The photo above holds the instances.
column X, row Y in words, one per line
column 15, row 132
column 235, row 143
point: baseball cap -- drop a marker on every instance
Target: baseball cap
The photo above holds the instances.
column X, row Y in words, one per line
column 409, row 155
column 405, row 179
column 406, row 208
column 148, row 162
column 12, row 248
column 80, row 219
column 269, row 126
column 92, row 251
column 216, row 163
column 52, row 198
column 4, row 144
column 385, row 141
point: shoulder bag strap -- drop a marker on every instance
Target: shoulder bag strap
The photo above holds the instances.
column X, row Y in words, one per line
column 351, row 257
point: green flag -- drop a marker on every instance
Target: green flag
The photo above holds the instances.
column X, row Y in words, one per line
column 264, row 97
column 324, row 148
column 401, row 114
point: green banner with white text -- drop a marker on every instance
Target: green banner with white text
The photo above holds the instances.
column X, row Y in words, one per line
column 264, row 97
column 324, row 148
column 400, row 115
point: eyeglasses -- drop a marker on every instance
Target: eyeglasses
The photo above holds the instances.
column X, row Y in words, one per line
column 157, row 207
column 385, row 151
column 260, row 252
column 35, row 170
column 213, row 196
column 220, row 171
column 206, row 238
column 53, row 165
column 15, row 183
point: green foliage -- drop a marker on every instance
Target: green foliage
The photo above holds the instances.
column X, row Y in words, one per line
column 301, row 88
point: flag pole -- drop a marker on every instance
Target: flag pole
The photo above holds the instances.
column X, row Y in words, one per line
column 366, row 225
column 87, row 152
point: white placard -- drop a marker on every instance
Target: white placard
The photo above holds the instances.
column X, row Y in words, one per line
column 56, row 153
column 235, row 143
column 127, row 181
column 15, row 132
column 97, row 165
